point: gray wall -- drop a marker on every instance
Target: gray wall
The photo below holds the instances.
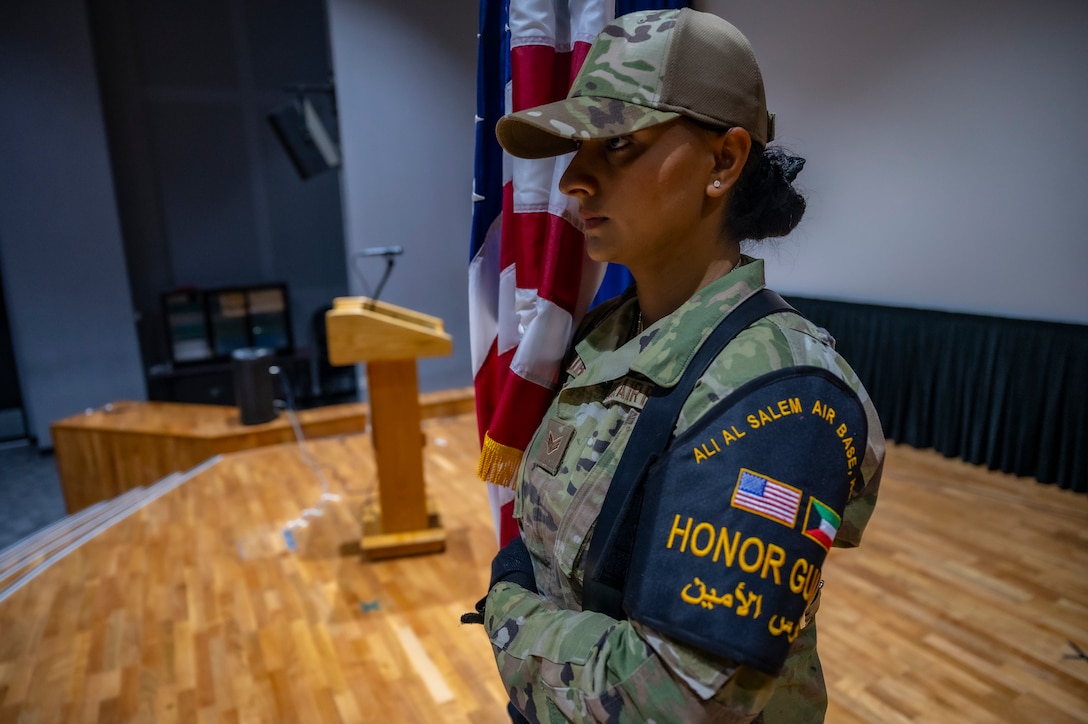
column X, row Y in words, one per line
column 945, row 146
column 406, row 82
column 943, row 142
column 135, row 134
column 61, row 254
column 208, row 197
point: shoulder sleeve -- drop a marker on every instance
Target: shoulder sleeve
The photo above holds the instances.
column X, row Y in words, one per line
column 777, row 342
column 737, row 518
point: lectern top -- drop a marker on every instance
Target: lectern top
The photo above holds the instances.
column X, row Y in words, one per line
column 361, row 329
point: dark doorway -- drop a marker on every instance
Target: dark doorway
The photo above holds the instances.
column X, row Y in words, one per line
column 12, row 417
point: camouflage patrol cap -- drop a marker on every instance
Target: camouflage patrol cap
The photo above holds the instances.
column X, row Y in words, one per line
column 647, row 68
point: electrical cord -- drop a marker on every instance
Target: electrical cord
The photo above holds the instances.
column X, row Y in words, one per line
column 288, row 405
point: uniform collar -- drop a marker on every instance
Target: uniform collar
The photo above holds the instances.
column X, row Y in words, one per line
column 664, row 350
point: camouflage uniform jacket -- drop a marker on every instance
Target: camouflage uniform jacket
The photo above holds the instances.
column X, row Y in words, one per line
column 559, row 662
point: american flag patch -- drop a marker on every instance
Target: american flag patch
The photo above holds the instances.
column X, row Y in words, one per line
column 763, row 496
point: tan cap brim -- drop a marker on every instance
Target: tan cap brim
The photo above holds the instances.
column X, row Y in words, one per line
column 556, row 128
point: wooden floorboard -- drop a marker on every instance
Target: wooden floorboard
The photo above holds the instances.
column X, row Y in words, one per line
column 961, row 605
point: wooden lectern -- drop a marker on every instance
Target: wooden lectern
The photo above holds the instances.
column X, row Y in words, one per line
column 388, row 339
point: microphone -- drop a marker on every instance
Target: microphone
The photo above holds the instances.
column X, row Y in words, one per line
column 389, row 253
column 382, row 251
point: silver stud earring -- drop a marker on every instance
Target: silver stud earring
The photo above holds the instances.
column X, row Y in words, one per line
column 717, row 184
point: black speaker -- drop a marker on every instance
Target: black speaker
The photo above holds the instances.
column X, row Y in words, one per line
column 303, row 135
column 254, row 391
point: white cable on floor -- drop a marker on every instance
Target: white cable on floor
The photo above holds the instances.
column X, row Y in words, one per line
column 288, row 405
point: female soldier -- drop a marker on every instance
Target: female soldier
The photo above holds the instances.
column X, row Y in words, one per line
column 774, row 449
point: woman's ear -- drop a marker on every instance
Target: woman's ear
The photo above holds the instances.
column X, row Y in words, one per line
column 731, row 151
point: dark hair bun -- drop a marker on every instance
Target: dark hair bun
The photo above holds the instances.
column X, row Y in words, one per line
column 765, row 204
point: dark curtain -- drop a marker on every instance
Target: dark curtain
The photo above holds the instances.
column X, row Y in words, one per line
column 1009, row 394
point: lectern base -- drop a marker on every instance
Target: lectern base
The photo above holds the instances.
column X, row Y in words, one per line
column 377, row 545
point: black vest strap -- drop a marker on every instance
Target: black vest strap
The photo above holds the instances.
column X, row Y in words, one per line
column 609, row 553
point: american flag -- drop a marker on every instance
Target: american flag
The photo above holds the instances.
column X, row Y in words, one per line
column 769, row 498
column 530, row 281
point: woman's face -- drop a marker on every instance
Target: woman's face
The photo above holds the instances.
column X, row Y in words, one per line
column 643, row 197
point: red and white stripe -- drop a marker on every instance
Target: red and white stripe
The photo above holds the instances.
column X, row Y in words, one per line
column 532, row 273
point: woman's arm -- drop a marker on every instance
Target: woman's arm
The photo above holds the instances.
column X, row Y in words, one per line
column 586, row 666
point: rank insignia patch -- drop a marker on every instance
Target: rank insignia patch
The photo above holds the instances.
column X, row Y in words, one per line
column 821, row 523
column 552, row 449
column 771, row 499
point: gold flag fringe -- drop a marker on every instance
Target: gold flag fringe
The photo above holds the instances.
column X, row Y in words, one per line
column 498, row 463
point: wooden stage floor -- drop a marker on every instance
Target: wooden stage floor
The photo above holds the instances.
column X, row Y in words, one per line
column 963, row 604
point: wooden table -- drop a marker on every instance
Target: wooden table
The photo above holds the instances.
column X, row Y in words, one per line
column 105, row 452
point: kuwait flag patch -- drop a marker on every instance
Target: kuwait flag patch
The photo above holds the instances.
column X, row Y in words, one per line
column 821, row 523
